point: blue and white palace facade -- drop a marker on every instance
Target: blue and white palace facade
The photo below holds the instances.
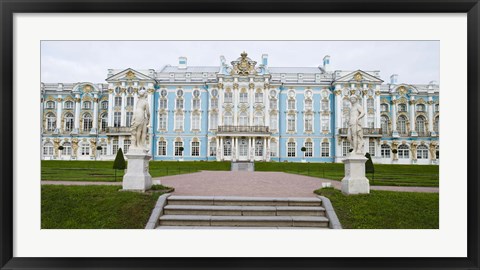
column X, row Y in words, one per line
column 242, row 111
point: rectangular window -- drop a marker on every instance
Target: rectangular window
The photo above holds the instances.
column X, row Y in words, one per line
column 179, row 122
column 87, row 124
column 195, row 149
column 308, row 149
column 117, row 119
column 213, row 121
column 126, row 145
column 308, row 123
column 325, row 123
column 258, row 97
column 103, row 152
column 85, row 150
column 371, row 121
column 345, row 148
column 214, row 103
column 324, row 105
column 114, row 147
column 273, row 104
column 118, row 101
column 228, row 97
column 130, row 101
column 163, row 104
column 196, row 104
column 325, row 149
column 308, row 105
column 273, row 149
column 291, row 104
column 273, row 122
column 213, row 148
column 179, row 103
column 128, row 121
column 291, row 149
column 162, row 148
column 291, row 122
column 243, row 97
column 371, row 148
column 177, row 151
column 162, row 121
column 227, row 147
column 196, row 122
column 385, row 151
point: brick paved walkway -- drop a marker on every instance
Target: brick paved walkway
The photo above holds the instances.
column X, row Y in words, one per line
column 255, row 184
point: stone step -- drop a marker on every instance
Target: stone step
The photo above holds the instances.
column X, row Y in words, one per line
column 230, row 210
column 243, row 201
column 244, row 221
column 236, row 228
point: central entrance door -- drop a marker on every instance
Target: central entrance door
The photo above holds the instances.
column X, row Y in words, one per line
column 243, row 149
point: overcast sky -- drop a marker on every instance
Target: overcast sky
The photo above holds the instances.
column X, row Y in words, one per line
column 416, row 62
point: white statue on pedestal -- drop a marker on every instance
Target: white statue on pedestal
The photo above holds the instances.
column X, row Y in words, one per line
column 355, row 129
column 355, row 181
column 138, row 177
column 140, row 122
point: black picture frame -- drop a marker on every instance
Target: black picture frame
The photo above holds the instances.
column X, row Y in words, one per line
column 9, row 7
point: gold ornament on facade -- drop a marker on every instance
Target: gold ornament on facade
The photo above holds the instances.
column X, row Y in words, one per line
column 358, row 77
column 338, row 92
column 87, row 89
column 365, row 92
column 150, row 90
column 430, row 102
column 110, row 91
column 50, row 98
column 77, row 99
column 130, row 75
column 235, row 86
column 59, row 99
column 394, row 101
column 243, row 65
column 251, row 85
column 220, row 85
column 402, row 90
column 377, row 93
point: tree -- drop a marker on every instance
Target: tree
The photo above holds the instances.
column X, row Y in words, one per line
column 119, row 163
column 369, row 166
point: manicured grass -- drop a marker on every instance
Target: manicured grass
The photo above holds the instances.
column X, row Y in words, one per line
column 102, row 170
column 95, row 207
column 385, row 209
column 385, row 174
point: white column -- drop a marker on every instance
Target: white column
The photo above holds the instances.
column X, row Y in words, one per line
column 377, row 110
column 264, row 148
column 217, row 154
column 266, row 101
column 77, row 114
column 430, row 115
column 221, row 148
column 110, row 108
column 364, row 104
column 235, row 104
column 42, row 126
column 95, row 115
column 150, row 104
column 412, row 117
column 124, row 104
column 394, row 117
column 59, row 115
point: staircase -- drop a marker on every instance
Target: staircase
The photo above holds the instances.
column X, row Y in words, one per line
column 245, row 166
column 242, row 212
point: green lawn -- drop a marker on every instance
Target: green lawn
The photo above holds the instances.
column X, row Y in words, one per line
column 385, row 174
column 385, row 209
column 95, row 207
column 102, row 170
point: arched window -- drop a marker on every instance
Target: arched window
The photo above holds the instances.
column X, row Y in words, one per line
column 69, row 119
column 259, row 147
column 291, row 122
column 436, row 124
column 308, row 122
column 384, row 124
column 162, row 148
column 196, row 103
column 325, row 149
column 196, row 121
column 402, row 125
column 179, row 103
column 178, row 121
column 345, row 148
column 243, row 96
column 68, row 104
column 130, row 101
column 228, row 119
column 48, row 149
column 117, row 90
column 213, row 121
column 50, row 104
column 195, row 149
column 403, row 151
column 214, row 103
column 258, row 119
column 243, row 119
column 85, row 149
column 87, row 122
column 177, row 151
column 420, row 108
column 129, row 91
column 104, row 146
column 227, row 147
column 402, row 107
column 104, row 123
column 291, row 149
column 420, row 126
column 308, row 104
column 162, row 121
column 422, row 152
column 308, row 149
column 87, row 105
column 104, row 105
column 67, row 149
column 51, row 122
column 385, row 151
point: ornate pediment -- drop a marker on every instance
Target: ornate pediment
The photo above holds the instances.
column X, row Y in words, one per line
column 243, row 66
column 359, row 76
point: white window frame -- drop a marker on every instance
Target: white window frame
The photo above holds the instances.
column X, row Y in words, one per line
column 162, row 148
column 176, row 149
column 325, row 149
column 385, row 151
column 308, row 149
column 291, row 146
column 422, row 152
column 195, row 149
column 403, row 151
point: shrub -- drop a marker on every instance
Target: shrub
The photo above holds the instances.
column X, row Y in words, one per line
column 60, row 147
column 119, row 163
column 99, row 148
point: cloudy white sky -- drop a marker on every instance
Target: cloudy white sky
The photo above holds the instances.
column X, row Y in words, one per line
column 77, row 61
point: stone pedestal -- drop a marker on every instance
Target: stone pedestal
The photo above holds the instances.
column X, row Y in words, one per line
column 355, row 181
column 137, row 177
